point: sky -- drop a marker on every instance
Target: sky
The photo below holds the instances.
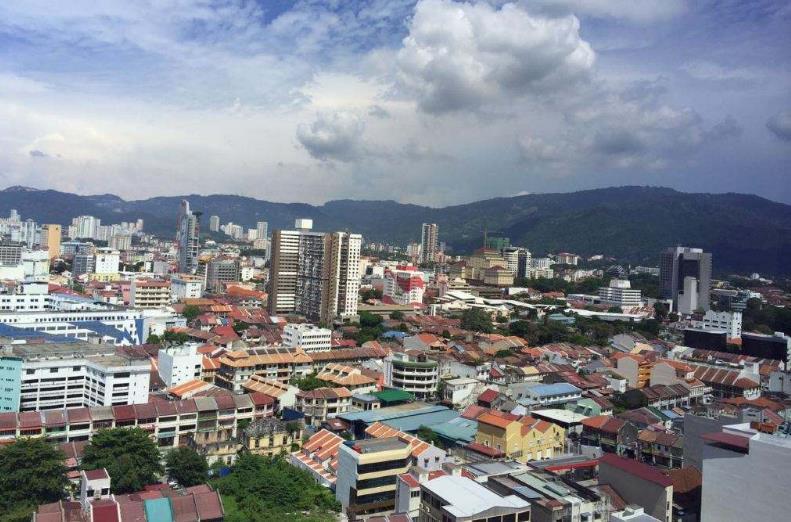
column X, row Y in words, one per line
column 435, row 102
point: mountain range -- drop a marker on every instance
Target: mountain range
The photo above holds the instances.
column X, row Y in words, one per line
column 745, row 233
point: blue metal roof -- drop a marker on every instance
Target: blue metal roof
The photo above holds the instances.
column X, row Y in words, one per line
column 104, row 330
column 547, row 390
column 386, row 414
column 459, row 429
column 394, row 334
column 414, row 422
column 15, row 332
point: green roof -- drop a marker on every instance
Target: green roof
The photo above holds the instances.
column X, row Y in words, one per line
column 393, row 395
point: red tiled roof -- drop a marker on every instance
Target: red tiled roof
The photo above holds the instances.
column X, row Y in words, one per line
column 638, row 469
column 728, row 439
column 29, row 420
column 96, row 474
column 488, row 395
column 104, row 510
column 409, row 480
column 78, row 415
column 484, row 450
column 124, row 412
column 473, row 411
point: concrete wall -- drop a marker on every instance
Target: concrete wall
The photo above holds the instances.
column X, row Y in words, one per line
column 747, row 487
column 657, row 500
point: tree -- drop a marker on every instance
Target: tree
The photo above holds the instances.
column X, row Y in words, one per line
column 476, row 320
column 310, row 382
column 427, row 434
column 129, row 455
column 520, row 328
column 174, row 337
column 369, row 320
column 240, row 326
column 31, row 473
column 614, row 310
column 186, row 466
column 660, row 311
column 190, row 312
column 370, row 293
column 398, row 315
column 262, row 489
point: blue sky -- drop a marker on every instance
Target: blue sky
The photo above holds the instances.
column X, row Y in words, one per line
column 434, row 102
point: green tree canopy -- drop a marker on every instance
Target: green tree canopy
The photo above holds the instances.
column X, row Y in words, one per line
column 369, row 320
column 175, row 337
column 310, row 382
column 191, row 312
column 398, row 315
column 476, row 320
column 129, row 455
column 186, row 466
column 260, row 489
column 32, row 472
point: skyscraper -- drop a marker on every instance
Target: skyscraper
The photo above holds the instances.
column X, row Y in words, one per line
column 214, row 223
column 315, row 274
column 187, row 238
column 685, row 277
column 50, row 239
column 428, row 242
column 263, row 229
column 283, row 265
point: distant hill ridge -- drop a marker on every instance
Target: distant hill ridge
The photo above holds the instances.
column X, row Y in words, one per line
column 744, row 232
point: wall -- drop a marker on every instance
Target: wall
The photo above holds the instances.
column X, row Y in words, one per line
column 653, row 497
column 753, row 487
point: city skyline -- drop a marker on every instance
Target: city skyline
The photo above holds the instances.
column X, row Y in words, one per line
column 362, row 100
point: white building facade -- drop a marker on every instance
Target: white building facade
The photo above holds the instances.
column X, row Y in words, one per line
column 309, row 337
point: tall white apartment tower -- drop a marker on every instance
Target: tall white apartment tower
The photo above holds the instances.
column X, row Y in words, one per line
column 283, row 266
column 344, row 277
column 187, row 238
column 262, row 228
column 214, row 223
column 315, row 274
column 429, row 239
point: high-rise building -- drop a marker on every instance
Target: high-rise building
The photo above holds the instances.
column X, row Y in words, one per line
column 262, row 228
column 220, row 271
column 11, row 253
column 187, row 238
column 50, row 239
column 315, row 274
column 283, row 266
column 83, row 264
column 120, row 242
column 214, row 223
column 685, row 277
column 429, row 239
column 86, row 227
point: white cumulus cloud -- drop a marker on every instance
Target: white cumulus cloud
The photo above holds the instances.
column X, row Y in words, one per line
column 461, row 56
column 333, row 136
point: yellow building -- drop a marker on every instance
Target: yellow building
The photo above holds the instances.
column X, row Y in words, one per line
column 367, row 474
column 522, row 439
column 50, row 239
column 482, row 260
column 271, row 436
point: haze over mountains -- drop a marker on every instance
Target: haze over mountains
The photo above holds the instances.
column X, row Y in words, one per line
column 745, row 233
